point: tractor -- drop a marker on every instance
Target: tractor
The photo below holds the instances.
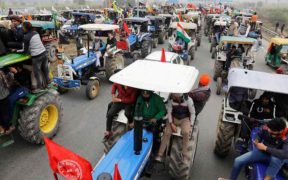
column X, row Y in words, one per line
column 157, row 28
column 82, row 70
column 139, row 42
column 144, row 75
column 230, row 120
column 35, row 115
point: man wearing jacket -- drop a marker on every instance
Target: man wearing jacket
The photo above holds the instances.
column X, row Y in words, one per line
column 123, row 97
column 181, row 113
column 271, row 144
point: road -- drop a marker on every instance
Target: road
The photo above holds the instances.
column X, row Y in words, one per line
column 83, row 126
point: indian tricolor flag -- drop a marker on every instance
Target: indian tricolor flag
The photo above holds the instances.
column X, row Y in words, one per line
column 180, row 32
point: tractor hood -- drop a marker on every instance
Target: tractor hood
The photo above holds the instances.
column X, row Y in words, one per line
column 13, row 58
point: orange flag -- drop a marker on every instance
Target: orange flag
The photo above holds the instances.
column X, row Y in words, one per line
column 29, row 18
column 117, row 175
column 163, row 57
column 67, row 163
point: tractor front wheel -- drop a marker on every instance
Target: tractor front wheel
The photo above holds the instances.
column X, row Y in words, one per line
column 92, row 89
column 225, row 135
column 146, row 48
column 42, row 119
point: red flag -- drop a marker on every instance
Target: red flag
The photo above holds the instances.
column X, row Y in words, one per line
column 66, row 163
column 117, row 175
column 126, row 29
column 163, row 57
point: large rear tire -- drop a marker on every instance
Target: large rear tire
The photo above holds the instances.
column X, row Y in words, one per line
column 192, row 53
column 225, row 135
column 114, row 63
column 176, row 168
column 118, row 129
column 146, row 48
column 92, row 89
column 42, row 119
column 218, row 68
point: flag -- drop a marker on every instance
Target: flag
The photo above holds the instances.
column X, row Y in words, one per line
column 163, row 57
column 179, row 17
column 29, row 18
column 53, row 9
column 180, row 32
column 66, row 163
column 126, row 29
column 117, row 175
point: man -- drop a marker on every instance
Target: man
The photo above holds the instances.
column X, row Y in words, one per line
column 232, row 53
column 254, row 19
column 111, row 41
column 17, row 28
column 263, row 108
column 271, row 144
column 34, row 46
column 10, row 12
column 99, row 48
column 123, row 97
column 181, row 113
column 276, row 27
column 244, row 29
column 152, row 108
column 282, row 28
column 201, row 94
column 233, row 29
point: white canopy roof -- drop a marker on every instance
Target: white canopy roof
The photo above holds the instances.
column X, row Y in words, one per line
column 157, row 76
column 277, row 83
column 185, row 25
column 99, row 27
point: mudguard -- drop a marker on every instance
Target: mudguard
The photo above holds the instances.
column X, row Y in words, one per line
column 259, row 169
column 132, row 39
column 129, row 164
column 144, row 36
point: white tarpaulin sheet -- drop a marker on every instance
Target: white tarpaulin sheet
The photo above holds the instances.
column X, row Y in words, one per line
column 157, row 76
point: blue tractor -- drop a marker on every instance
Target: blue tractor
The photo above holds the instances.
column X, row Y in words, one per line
column 139, row 42
column 70, row 29
column 245, row 82
column 132, row 150
column 83, row 69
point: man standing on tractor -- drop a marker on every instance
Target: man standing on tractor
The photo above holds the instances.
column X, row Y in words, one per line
column 201, row 94
column 99, row 48
column 233, row 28
column 152, row 108
column 124, row 99
column 34, row 46
column 271, row 144
column 254, row 19
column 231, row 53
column 181, row 112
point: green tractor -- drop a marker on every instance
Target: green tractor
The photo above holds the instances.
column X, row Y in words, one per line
column 34, row 115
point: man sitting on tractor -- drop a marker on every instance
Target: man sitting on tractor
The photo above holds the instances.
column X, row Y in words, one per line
column 201, row 94
column 110, row 45
column 263, row 108
column 124, row 99
column 181, row 112
column 17, row 28
column 244, row 29
column 99, row 48
column 152, row 108
column 271, row 145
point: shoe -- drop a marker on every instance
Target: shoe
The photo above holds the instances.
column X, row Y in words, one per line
column 159, row 158
column 107, row 136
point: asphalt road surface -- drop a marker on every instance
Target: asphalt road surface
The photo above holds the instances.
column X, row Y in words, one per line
column 83, row 126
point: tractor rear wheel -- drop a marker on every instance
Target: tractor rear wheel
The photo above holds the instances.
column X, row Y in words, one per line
column 42, row 119
column 213, row 56
column 176, row 168
column 192, row 53
column 146, row 48
column 225, row 135
column 284, row 171
column 118, row 129
column 92, row 89
column 113, row 63
column 218, row 68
